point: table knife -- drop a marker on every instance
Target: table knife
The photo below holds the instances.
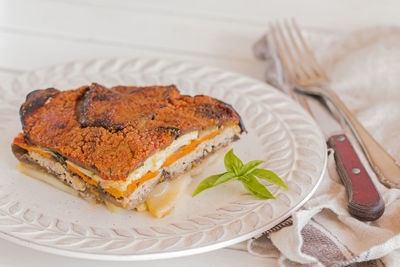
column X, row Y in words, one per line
column 364, row 200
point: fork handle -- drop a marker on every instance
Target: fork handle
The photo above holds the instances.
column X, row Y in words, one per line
column 384, row 166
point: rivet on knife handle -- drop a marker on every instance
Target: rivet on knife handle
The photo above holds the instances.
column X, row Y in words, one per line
column 365, row 202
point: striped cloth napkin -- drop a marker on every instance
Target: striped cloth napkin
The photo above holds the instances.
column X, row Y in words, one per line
column 364, row 67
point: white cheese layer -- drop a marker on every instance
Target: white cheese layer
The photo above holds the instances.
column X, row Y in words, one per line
column 153, row 163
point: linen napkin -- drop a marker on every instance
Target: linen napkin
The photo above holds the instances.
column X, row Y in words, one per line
column 364, row 67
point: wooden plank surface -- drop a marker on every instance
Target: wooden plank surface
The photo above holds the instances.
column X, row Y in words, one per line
column 14, row 255
column 48, row 32
column 17, row 57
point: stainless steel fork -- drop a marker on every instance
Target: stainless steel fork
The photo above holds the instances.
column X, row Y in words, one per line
column 309, row 78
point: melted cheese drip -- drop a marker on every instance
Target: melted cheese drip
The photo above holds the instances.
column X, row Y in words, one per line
column 164, row 196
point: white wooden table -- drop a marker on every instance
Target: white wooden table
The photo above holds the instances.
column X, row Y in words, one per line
column 38, row 33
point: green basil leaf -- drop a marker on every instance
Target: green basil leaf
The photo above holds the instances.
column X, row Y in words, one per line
column 255, row 187
column 250, row 166
column 228, row 176
column 207, row 183
column 270, row 176
column 254, row 193
column 232, row 162
column 246, row 173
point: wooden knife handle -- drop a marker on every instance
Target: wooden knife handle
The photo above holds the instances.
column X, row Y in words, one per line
column 365, row 202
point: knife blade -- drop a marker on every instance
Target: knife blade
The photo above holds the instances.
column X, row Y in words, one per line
column 364, row 200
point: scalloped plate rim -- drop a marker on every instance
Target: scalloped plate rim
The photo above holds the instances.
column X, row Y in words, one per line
column 168, row 254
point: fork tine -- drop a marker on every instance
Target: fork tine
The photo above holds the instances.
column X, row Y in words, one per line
column 305, row 65
column 281, row 54
column 298, row 70
column 314, row 62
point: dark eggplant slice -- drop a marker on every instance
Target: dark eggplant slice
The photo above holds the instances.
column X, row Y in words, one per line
column 34, row 100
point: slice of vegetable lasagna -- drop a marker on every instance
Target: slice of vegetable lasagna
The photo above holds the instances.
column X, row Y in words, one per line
column 113, row 145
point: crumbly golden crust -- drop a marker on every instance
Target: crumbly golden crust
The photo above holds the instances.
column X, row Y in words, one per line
column 112, row 130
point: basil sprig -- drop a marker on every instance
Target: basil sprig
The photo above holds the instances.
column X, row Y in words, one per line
column 247, row 174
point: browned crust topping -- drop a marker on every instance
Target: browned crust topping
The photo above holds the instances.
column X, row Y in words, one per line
column 112, row 130
column 115, row 109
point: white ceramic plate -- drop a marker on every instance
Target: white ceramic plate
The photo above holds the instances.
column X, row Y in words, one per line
column 279, row 131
